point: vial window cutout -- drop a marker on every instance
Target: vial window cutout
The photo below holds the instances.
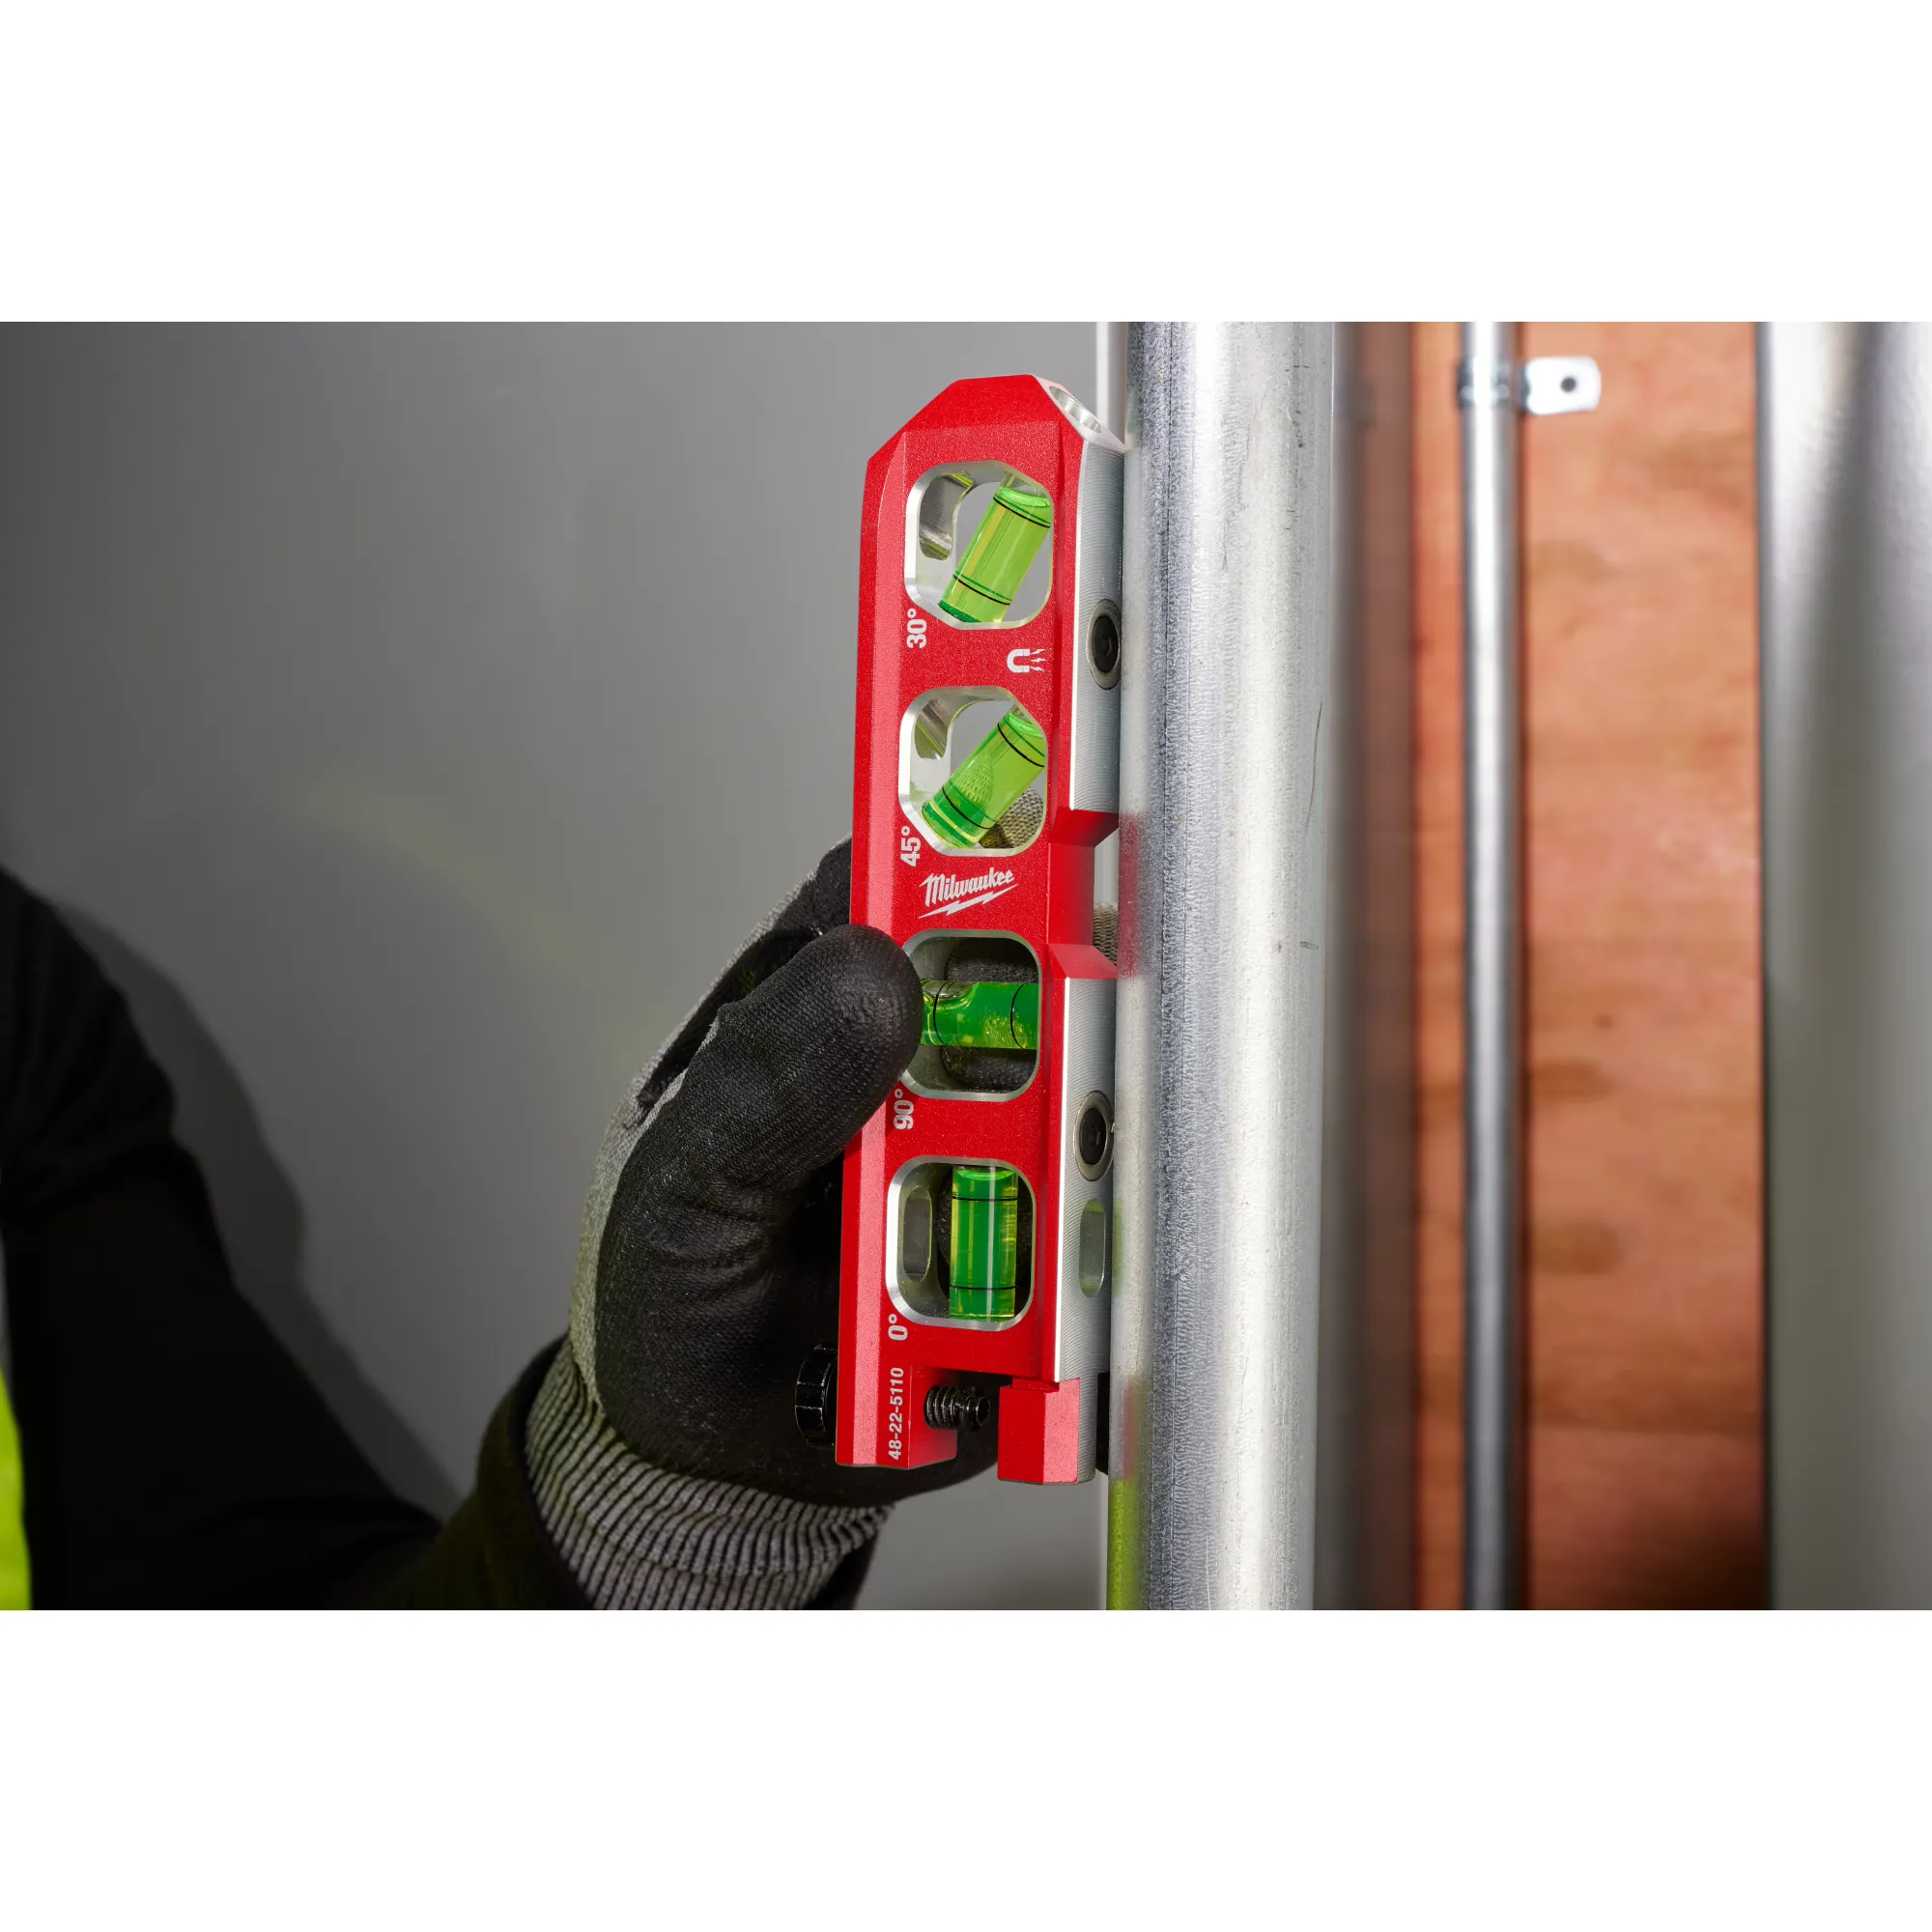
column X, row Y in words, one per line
column 973, row 766
column 979, row 1032
column 964, row 1243
column 979, row 545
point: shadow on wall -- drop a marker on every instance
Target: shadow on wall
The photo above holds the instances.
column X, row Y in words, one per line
column 258, row 1214
column 933, row 1554
column 934, row 1551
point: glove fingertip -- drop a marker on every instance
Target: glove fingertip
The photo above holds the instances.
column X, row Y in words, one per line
column 876, row 1005
column 798, row 1065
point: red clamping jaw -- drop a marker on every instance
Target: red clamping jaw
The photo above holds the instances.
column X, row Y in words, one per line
column 979, row 1201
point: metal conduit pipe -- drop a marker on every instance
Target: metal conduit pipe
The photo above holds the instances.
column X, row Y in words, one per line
column 1224, row 812
column 1845, row 520
column 1487, row 390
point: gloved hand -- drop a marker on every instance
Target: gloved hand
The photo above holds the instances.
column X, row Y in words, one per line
column 708, row 1270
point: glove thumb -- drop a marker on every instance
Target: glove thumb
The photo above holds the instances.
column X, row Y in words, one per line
column 717, row 1169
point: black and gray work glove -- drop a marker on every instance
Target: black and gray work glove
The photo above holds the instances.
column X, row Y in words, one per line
column 664, row 1446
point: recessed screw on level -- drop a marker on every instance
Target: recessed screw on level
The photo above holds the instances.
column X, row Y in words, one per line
column 815, row 1400
column 1093, row 1136
column 958, row 1408
column 1103, row 646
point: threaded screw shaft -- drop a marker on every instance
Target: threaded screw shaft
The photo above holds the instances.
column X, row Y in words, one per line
column 958, row 1408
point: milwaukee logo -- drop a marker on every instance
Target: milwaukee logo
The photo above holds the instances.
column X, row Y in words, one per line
column 946, row 896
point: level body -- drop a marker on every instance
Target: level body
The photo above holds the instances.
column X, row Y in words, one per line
column 1010, row 906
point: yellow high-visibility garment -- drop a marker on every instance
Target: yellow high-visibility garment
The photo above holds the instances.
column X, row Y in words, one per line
column 13, row 1530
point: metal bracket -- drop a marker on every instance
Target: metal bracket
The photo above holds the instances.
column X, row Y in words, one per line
column 1561, row 386
column 1545, row 385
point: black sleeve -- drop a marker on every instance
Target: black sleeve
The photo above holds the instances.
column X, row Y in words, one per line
column 497, row 1553
column 173, row 1454
column 172, row 1451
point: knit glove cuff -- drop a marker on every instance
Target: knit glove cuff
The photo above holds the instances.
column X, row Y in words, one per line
column 640, row 1538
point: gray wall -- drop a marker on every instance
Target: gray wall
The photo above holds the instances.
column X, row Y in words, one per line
column 414, row 719
column 1845, row 453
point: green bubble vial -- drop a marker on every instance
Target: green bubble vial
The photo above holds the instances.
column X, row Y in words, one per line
column 996, row 1013
column 984, row 1268
column 1002, row 548
column 983, row 791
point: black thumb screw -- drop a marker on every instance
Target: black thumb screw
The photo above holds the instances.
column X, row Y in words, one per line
column 815, row 1401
